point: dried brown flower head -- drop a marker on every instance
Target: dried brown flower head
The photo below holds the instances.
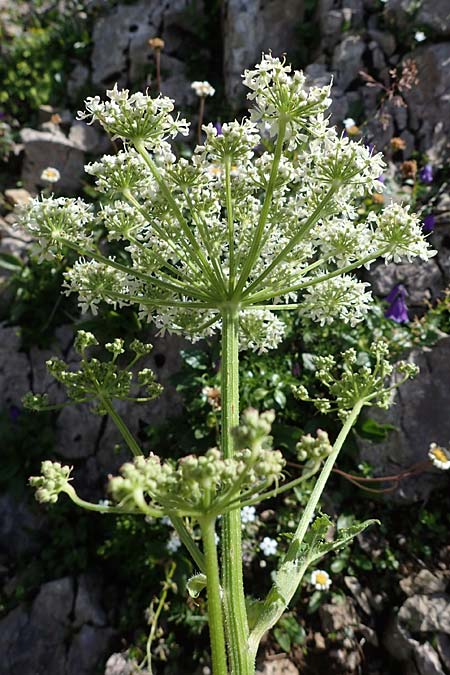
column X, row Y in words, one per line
column 397, row 143
column 156, row 43
column 409, row 169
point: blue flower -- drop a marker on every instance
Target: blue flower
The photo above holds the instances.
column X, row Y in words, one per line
column 397, row 310
column 428, row 223
column 426, row 174
column 218, row 128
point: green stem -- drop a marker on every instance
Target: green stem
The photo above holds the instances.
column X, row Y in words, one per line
column 274, row 605
column 122, row 427
column 190, row 544
column 230, row 217
column 215, row 617
column 232, row 576
column 255, row 247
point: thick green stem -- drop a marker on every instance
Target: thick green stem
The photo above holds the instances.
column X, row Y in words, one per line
column 215, row 617
column 232, row 576
column 122, row 427
column 274, row 605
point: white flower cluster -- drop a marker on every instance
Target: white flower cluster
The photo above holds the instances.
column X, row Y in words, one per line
column 203, row 89
column 135, row 117
column 342, row 297
column 236, row 224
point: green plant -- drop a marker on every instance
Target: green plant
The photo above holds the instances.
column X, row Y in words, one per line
column 221, row 244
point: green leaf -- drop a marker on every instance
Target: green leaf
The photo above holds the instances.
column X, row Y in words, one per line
column 279, row 398
column 196, row 584
column 283, row 639
column 10, row 262
column 374, row 431
column 316, row 546
column 315, row 601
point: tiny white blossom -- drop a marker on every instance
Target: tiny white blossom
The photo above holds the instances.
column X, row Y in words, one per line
column 419, row 36
column 439, row 456
column 51, row 175
column 174, row 543
column 268, row 546
column 203, row 89
column 349, row 122
column 248, row 514
column 320, row 580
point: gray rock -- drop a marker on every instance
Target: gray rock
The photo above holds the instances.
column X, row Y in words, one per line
column 419, row 415
column 361, row 595
column 78, row 81
column 347, row 60
column 121, row 52
column 426, row 660
column 14, row 368
column 417, row 658
column 443, row 648
column 87, row 603
column 88, row 649
column 13, row 240
column 330, row 24
column 17, row 521
column 54, row 149
column 429, row 101
column 336, row 617
column 17, row 196
column 53, row 646
column 253, row 26
column 432, row 15
column 277, row 666
column 385, row 40
column 425, row 582
column 88, row 138
column 426, row 613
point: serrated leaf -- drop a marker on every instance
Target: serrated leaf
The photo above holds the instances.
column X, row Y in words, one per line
column 320, row 547
column 196, row 584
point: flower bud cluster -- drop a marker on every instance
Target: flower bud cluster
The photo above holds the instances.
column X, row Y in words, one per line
column 237, row 142
column 95, row 381
column 135, row 117
column 195, row 485
column 313, row 450
column 254, row 429
column 124, row 171
column 349, row 383
column 54, row 479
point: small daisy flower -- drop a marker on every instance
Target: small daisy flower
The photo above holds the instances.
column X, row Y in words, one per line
column 320, row 580
column 349, row 122
column 439, row 456
column 420, row 36
column 203, row 89
column 51, row 175
column 156, row 43
column 268, row 546
column 248, row 514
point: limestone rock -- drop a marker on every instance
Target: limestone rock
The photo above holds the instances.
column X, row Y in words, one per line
column 54, row 149
column 54, row 646
column 434, row 15
column 14, row 368
column 277, row 666
column 251, row 27
column 420, row 415
column 17, row 196
column 121, row 52
column 17, row 521
column 425, row 582
column 336, row 617
column 347, row 60
column 429, row 101
column 426, row 613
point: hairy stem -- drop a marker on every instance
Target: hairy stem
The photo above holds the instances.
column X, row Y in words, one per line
column 215, row 617
column 232, row 576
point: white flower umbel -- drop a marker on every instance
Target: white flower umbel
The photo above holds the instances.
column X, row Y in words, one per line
column 439, row 456
column 203, row 89
column 342, row 297
column 320, row 580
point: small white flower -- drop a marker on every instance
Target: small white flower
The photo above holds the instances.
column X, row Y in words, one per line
column 248, row 514
column 349, row 122
column 216, row 538
column 439, row 456
column 51, row 175
column 104, row 502
column 174, row 543
column 262, row 564
column 320, row 580
column 420, row 36
column 268, row 546
column 203, row 89
column 165, row 520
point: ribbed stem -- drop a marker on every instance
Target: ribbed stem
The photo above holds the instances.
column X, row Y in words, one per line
column 232, row 576
column 215, row 617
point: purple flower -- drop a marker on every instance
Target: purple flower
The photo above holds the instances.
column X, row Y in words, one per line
column 426, row 174
column 14, row 413
column 218, row 128
column 381, row 178
column 428, row 223
column 296, row 369
column 397, row 310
